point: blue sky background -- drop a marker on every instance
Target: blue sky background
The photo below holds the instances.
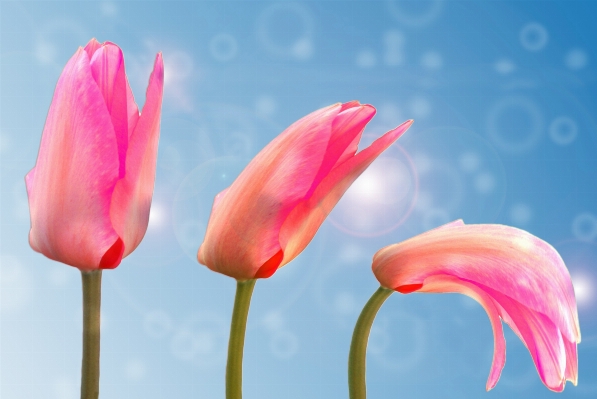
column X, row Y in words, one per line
column 504, row 100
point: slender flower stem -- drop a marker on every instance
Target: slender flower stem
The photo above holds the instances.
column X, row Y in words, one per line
column 357, row 386
column 90, row 368
column 236, row 343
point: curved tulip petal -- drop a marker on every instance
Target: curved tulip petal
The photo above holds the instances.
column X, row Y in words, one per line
column 71, row 186
column 523, row 276
column 107, row 68
column 469, row 251
column 304, row 220
column 243, row 231
column 540, row 335
column 132, row 195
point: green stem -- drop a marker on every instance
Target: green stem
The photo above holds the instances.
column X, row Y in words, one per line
column 357, row 386
column 90, row 368
column 236, row 343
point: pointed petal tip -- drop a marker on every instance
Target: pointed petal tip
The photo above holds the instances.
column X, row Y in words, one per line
column 93, row 41
column 91, row 47
column 110, row 44
column 348, row 105
column 399, row 130
column 158, row 66
column 492, row 382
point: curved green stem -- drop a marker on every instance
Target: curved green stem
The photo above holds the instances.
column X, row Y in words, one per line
column 90, row 368
column 357, row 358
column 236, row 343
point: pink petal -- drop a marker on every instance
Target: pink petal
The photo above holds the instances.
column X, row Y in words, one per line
column 107, row 68
column 571, row 372
column 217, row 201
column 132, row 195
column 448, row 284
column 348, row 105
column 489, row 255
column 243, row 232
column 346, row 132
column 524, row 276
column 304, row 220
column 91, row 47
column 77, row 167
column 540, row 335
column 132, row 109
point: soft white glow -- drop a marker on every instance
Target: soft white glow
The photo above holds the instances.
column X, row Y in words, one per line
column 583, row 289
column 180, row 67
column 386, row 181
column 379, row 200
column 157, row 216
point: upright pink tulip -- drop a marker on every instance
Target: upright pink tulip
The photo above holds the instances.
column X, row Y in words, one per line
column 514, row 275
column 274, row 208
column 91, row 188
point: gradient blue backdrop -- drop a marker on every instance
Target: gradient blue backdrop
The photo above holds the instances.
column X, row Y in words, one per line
column 503, row 96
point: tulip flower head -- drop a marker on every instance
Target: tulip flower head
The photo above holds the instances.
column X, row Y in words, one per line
column 273, row 209
column 514, row 275
column 90, row 190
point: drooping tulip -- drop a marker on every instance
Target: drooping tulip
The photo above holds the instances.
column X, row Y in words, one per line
column 90, row 190
column 276, row 205
column 514, row 275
